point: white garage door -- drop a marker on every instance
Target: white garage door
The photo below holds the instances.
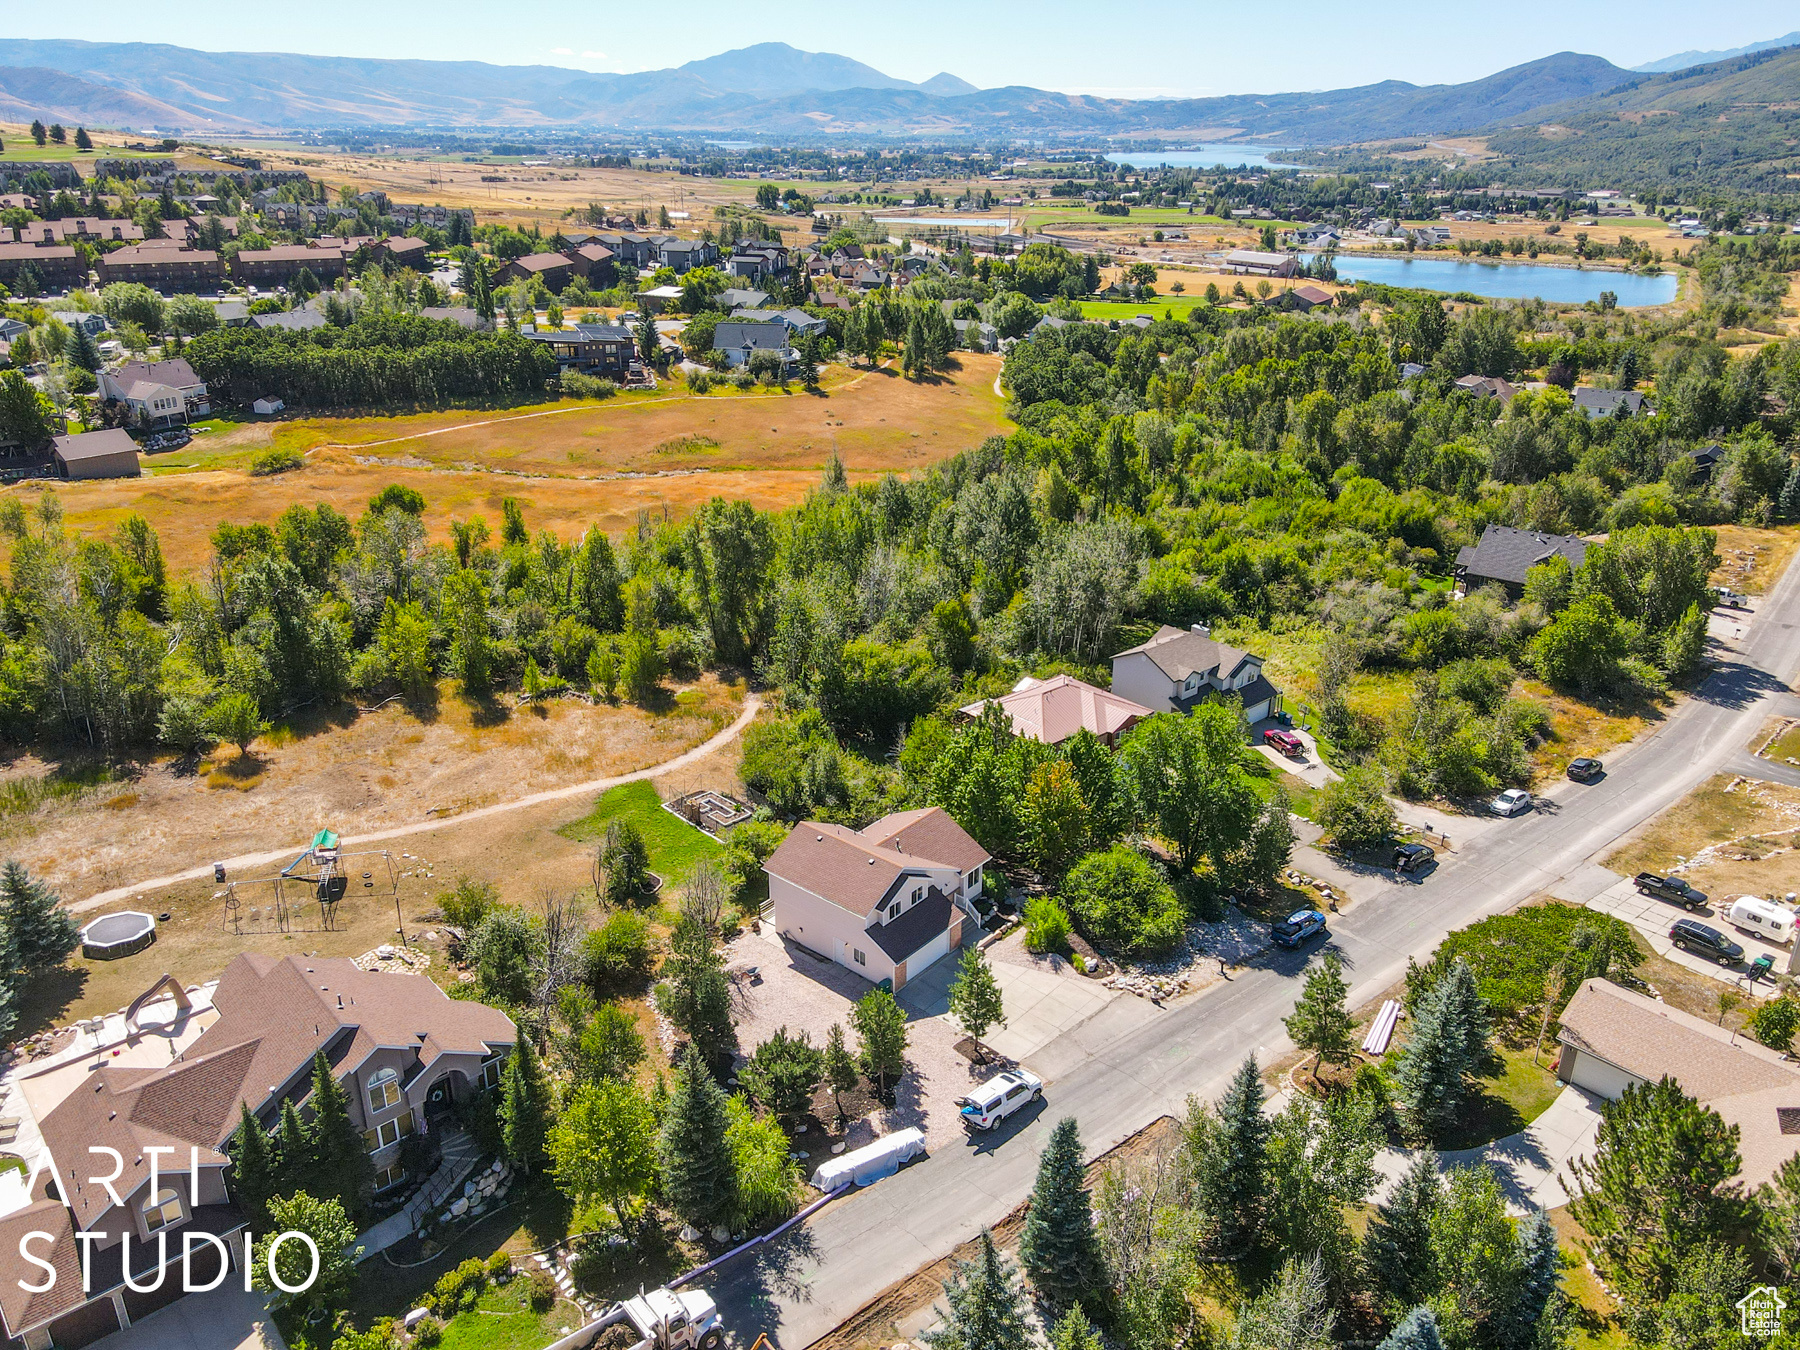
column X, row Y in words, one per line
column 1601, row 1078
column 930, row 952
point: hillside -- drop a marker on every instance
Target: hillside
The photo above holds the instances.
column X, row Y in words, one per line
column 771, row 88
column 1683, row 60
column 1728, row 123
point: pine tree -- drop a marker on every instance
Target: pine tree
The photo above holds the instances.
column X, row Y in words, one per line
column 82, row 351
column 1320, row 1022
column 840, row 1067
column 986, row 1308
column 1448, row 1042
column 880, row 1022
column 1058, row 1248
column 975, row 995
column 524, row 1106
column 1788, row 504
column 253, row 1179
column 341, row 1164
column 294, row 1156
column 1074, row 1332
column 39, row 932
column 1538, row 1307
column 1397, row 1244
column 1418, row 1332
column 699, row 1175
column 1228, row 1148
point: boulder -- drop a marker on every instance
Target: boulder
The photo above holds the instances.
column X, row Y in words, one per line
column 459, row 1207
column 413, row 1318
column 689, row 1233
column 721, row 1234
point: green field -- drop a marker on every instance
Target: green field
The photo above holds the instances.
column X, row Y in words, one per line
column 1164, row 306
column 676, row 847
column 21, row 148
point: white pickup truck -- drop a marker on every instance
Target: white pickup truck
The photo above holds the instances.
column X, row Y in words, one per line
column 664, row 1319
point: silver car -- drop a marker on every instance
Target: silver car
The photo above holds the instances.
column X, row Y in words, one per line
column 1511, row 802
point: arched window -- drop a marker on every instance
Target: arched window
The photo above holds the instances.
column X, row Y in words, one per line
column 384, row 1089
column 162, row 1210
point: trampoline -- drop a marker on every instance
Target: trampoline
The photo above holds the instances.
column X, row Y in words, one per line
column 114, row 935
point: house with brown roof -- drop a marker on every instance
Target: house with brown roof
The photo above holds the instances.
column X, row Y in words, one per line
column 1053, row 710
column 404, row 1051
column 164, row 265
column 58, row 268
column 1614, row 1038
column 280, row 265
column 404, row 250
column 553, row 269
column 885, row 901
column 96, row 454
column 1180, row 668
column 156, row 393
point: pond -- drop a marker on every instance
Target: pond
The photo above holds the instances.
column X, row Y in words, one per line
column 1199, row 157
column 1508, row 281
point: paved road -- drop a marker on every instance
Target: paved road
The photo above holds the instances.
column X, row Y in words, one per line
column 1118, row 1072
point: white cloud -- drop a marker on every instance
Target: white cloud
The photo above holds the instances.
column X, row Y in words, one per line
column 562, row 51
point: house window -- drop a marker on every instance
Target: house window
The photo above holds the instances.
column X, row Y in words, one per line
column 162, row 1210
column 389, row 1176
column 861, row 960
column 384, row 1089
column 388, row 1133
column 918, row 894
column 490, row 1073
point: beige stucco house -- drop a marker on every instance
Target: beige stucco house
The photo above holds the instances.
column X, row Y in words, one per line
column 886, row 901
column 1182, row 667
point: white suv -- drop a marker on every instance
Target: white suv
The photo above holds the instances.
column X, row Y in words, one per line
column 999, row 1097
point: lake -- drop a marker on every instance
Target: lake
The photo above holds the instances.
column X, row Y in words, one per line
column 1508, row 281
column 1200, row 157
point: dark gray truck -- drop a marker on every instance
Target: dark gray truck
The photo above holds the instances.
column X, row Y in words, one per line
column 1672, row 889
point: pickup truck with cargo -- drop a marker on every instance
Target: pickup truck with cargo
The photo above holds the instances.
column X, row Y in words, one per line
column 1673, row 889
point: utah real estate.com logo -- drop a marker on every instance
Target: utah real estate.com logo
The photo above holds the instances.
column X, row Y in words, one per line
column 1761, row 1311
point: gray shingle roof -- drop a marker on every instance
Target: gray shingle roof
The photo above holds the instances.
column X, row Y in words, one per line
column 1507, row 554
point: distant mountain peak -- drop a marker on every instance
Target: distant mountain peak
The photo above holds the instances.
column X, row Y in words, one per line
column 771, row 68
column 1683, row 60
column 946, row 85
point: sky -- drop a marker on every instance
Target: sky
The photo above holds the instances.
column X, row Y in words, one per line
column 1125, row 49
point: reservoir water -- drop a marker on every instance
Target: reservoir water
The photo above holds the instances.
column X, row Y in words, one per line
column 1199, row 157
column 1508, row 281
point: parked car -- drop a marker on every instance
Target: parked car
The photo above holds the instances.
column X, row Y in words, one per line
column 1669, row 888
column 1693, row 936
column 1730, row 599
column 999, row 1097
column 1413, row 857
column 1585, row 770
column 1511, row 802
column 1286, row 742
column 1298, row 927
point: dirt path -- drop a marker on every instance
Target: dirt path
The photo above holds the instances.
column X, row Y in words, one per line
column 751, row 705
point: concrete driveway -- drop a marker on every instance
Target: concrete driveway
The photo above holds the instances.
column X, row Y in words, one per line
column 225, row 1318
column 1040, row 1004
column 1617, row 896
column 1309, row 769
column 1532, row 1165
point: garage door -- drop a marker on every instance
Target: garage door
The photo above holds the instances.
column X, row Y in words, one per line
column 930, row 952
column 85, row 1325
column 1600, row 1078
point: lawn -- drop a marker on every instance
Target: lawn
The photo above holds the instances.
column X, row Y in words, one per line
column 502, row 1320
column 676, row 847
column 1509, row 1096
column 1163, row 307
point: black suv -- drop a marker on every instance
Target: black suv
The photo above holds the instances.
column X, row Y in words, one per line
column 1413, row 857
column 1693, row 936
column 1585, row 770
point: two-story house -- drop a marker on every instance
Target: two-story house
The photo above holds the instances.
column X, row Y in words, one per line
column 886, row 901
column 404, row 1051
column 1182, row 667
column 156, row 393
column 591, row 348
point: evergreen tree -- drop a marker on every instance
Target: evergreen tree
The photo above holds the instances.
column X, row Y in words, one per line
column 986, row 1308
column 1418, row 1332
column 1228, row 1147
column 294, row 1156
column 975, row 995
column 1074, row 1332
column 1320, row 1022
column 1058, row 1248
column 1448, row 1043
column 253, row 1173
column 36, row 930
column 82, row 352
column 1778, row 1204
column 340, row 1164
column 524, row 1106
column 1397, row 1243
column 840, row 1067
column 649, row 342
column 1788, row 504
column 1537, row 1312
column 694, row 994
column 699, row 1175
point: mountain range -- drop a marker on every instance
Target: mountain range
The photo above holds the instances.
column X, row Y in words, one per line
column 1684, row 60
column 771, row 88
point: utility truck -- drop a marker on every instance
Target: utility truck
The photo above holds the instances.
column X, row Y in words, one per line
column 664, row 1319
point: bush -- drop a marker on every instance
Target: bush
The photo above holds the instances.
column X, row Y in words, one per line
column 499, row 1267
column 542, row 1293
column 428, row 1333
column 747, row 849
column 1513, row 954
column 619, row 952
column 458, row 1289
column 1354, row 812
column 1046, row 925
column 577, row 385
column 271, row 462
column 466, row 904
column 1119, row 901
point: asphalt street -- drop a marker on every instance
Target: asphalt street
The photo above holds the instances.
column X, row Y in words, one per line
column 1131, row 1063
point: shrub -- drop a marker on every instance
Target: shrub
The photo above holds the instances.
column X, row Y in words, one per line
column 577, row 385
column 428, row 1333
column 467, row 903
column 619, row 952
column 271, row 462
column 542, row 1293
column 1355, row 812
column 1513, row 954
column 1119, row 901
column 458, row 1289
column 1046, row 925
column 746, row 851
column 499, row 1267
